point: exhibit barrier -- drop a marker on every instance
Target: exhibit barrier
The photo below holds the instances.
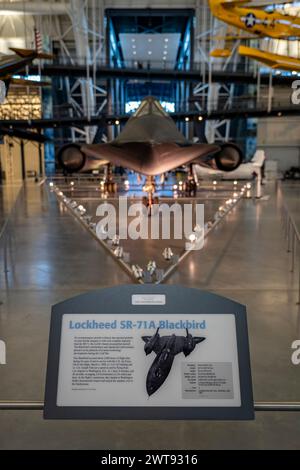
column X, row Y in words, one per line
column 6, row 236
column 293, row 241
column 39, row 406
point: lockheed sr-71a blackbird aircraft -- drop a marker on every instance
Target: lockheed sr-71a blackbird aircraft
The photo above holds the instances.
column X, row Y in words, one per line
column 149, row 144
column 166, row 348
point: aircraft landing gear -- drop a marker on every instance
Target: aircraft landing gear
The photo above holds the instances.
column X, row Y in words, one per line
column 109, row 185
column 191, row 185
column 150, row 199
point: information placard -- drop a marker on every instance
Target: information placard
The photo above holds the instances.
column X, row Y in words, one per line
column 144, row 352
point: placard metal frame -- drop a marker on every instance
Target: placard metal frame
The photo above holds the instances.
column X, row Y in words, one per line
column 118, row 300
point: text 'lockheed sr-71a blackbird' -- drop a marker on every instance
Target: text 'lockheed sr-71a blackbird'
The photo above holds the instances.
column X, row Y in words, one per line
column 166, row 348
column 149, row 144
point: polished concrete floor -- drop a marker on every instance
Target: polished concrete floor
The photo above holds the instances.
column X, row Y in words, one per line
column 141, row 251
column 47, row 256
column 8, row 196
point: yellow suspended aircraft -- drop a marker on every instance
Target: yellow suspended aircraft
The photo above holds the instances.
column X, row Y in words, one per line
column 255, row 20
column 274, row 61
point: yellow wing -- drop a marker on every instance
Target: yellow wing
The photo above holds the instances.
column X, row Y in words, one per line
column 274, row 61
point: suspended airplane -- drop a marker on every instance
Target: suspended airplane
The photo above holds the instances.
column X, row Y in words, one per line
column 13, row 63
column 255, row 20
column 149, row 144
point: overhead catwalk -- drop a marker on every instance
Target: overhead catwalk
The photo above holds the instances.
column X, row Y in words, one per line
column 193, row 75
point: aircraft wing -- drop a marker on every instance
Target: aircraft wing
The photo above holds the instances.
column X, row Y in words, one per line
column 23, row 134
column 274, row 61
column 159, row 344
column 162, row 341
column 31, row 53
column 13, row 63
column 25, row 82
column 180, row 342
column 149, row 159
column 10, row 64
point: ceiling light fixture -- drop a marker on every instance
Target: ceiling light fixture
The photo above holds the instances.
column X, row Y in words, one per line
column 149, row 52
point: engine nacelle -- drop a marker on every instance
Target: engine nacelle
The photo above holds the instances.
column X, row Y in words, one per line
column 189, row 345
column 150, row 345
column 71, row 158
column 229, row 158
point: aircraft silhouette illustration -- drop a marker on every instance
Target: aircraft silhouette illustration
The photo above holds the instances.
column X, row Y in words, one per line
column 166, row 348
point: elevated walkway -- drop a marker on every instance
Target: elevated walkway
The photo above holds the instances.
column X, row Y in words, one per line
column 198, row 73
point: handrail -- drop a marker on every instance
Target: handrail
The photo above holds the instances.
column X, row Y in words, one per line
column 23, row 405
column 292, row 221
column 292, row 234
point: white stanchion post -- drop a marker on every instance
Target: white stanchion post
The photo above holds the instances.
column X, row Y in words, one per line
column 258, row 184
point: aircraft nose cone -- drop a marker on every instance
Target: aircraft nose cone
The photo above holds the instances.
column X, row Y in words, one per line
column 153, row 383
column 151, row 389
